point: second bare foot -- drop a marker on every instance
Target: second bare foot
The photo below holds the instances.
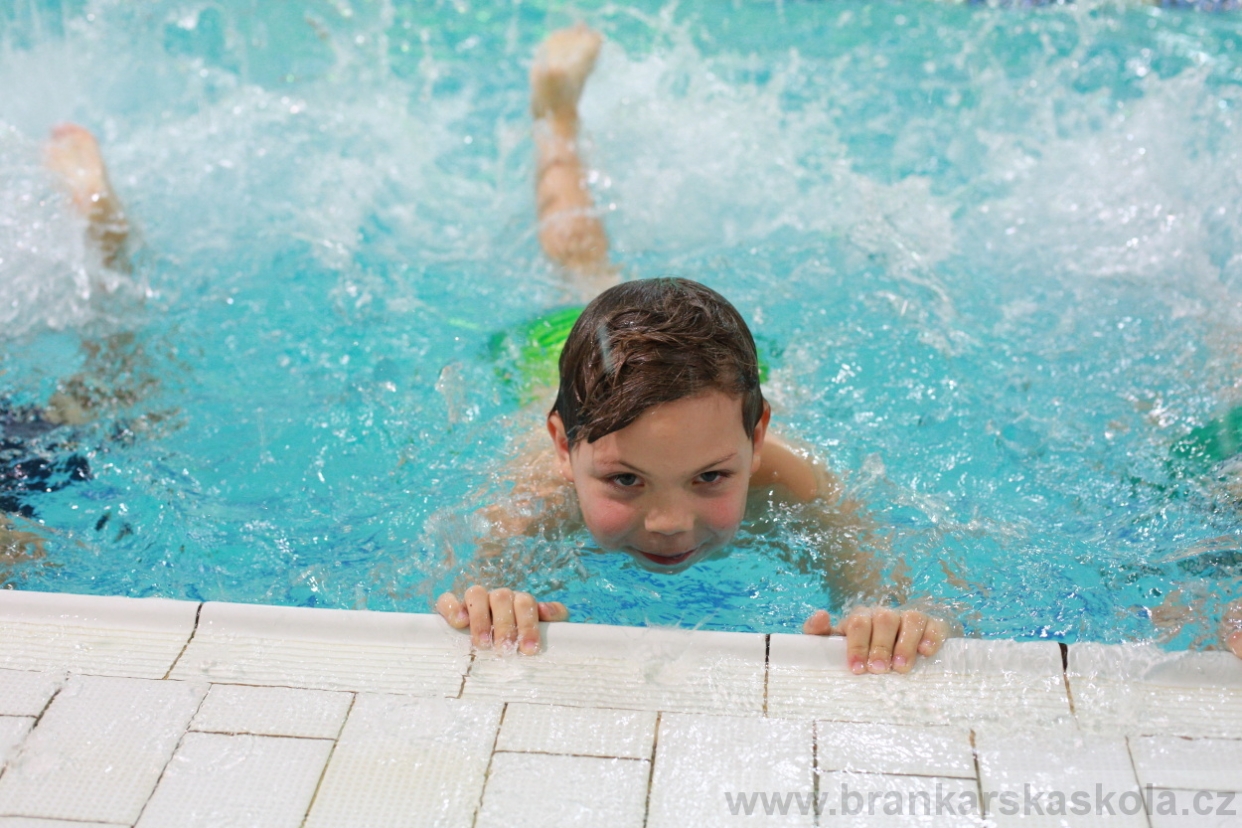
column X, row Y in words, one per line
column 562, row 64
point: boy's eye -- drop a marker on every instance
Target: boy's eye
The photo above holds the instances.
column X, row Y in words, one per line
column 625, row 481
column 713, row 476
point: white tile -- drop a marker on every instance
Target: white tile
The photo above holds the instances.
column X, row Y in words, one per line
column 33, row 822
column 894, row 749
column 326, row 649
column 526, row 790
column 1194, row 809
column 862, row 800
column 703, row 760
column 1047, row 763
column 404, row 761
column 629, row 667
column 273, row 711
column 138, row 637
column 582, row 731
column 99, row 749
column 26, row 692
column 215, row 780
column 1173, row 762
column 967, row 682
column 13, row 730
column 1141, row 689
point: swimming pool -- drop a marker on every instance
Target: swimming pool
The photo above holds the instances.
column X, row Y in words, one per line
column 991, row 252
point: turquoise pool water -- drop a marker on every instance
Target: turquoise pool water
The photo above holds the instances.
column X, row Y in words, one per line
column 994, row 250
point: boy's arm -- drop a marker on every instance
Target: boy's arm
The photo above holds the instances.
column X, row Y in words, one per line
column 878, row 638
column 502, row 617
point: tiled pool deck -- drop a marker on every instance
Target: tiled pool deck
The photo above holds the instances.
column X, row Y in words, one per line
column 150, row 712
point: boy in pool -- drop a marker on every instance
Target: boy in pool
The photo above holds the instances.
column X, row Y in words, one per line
column 72, row 154
column 659, row 427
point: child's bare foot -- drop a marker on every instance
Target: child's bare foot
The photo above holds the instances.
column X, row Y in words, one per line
column 562, row 64
column 73, row 155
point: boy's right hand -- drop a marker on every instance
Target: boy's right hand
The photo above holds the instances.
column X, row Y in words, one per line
column 502, row 616
column 1231, row 628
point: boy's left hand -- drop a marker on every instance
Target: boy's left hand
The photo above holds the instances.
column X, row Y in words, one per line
column 879, row 638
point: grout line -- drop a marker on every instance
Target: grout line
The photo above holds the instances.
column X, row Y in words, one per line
column 574, row 755
column 487, row 773
column 332, row 752
column 974, row 756
column 461, row 689
column 814, row 770
column 655, row 741
column 1138, row 782
column 1069, row 692
column 263, row 735
column 197, row 614
column 767, row 670
column 38, row 718
column 180, row 741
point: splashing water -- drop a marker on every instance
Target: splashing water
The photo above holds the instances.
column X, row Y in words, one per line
column 993, row 249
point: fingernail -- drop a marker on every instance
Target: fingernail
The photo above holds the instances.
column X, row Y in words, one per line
column 857, row 666
column 485, row 639
column 878, row 665
column 529, row 646
column 925, row 647
column 462, row 616
column 899, row 662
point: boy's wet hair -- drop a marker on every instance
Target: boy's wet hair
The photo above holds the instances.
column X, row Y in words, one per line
column 652, row 341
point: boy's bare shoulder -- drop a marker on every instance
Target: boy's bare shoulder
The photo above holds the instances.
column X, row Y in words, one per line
column 793, row 469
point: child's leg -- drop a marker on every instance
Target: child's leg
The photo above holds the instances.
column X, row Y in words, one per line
column 73, row 154
column 570, row 232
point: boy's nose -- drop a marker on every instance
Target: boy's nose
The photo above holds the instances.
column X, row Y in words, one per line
column 669, row 521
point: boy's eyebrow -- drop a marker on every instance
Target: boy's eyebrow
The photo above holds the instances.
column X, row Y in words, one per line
column 699, row 471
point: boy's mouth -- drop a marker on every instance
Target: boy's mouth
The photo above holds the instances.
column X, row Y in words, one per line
column 668, row 560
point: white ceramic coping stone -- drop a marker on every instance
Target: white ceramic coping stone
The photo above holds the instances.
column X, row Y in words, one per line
column 1028, row 776
column 1139, row 689
column 98, row 751
column 637, row 668
column 217, row 780
column 272, row 711
column 863, row 800
column 534, row 790
column 703, row 761
column 407, row 761
column 580, row 731
column 101, row 635
column 26, row 693
column 968, row 681
column 894, row 749
column 417, row 654
column 1192, row 764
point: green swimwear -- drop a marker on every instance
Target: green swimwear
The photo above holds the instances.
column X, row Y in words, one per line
column 527, row 356
column 1209, row 444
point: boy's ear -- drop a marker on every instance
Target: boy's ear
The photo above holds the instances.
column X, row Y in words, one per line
column 560, row 443
column 761, row 433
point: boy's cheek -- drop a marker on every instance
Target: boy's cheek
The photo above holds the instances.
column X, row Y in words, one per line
column 725, row 515
column 606, row 520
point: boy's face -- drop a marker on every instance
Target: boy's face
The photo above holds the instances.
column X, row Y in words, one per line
column 670, row 487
